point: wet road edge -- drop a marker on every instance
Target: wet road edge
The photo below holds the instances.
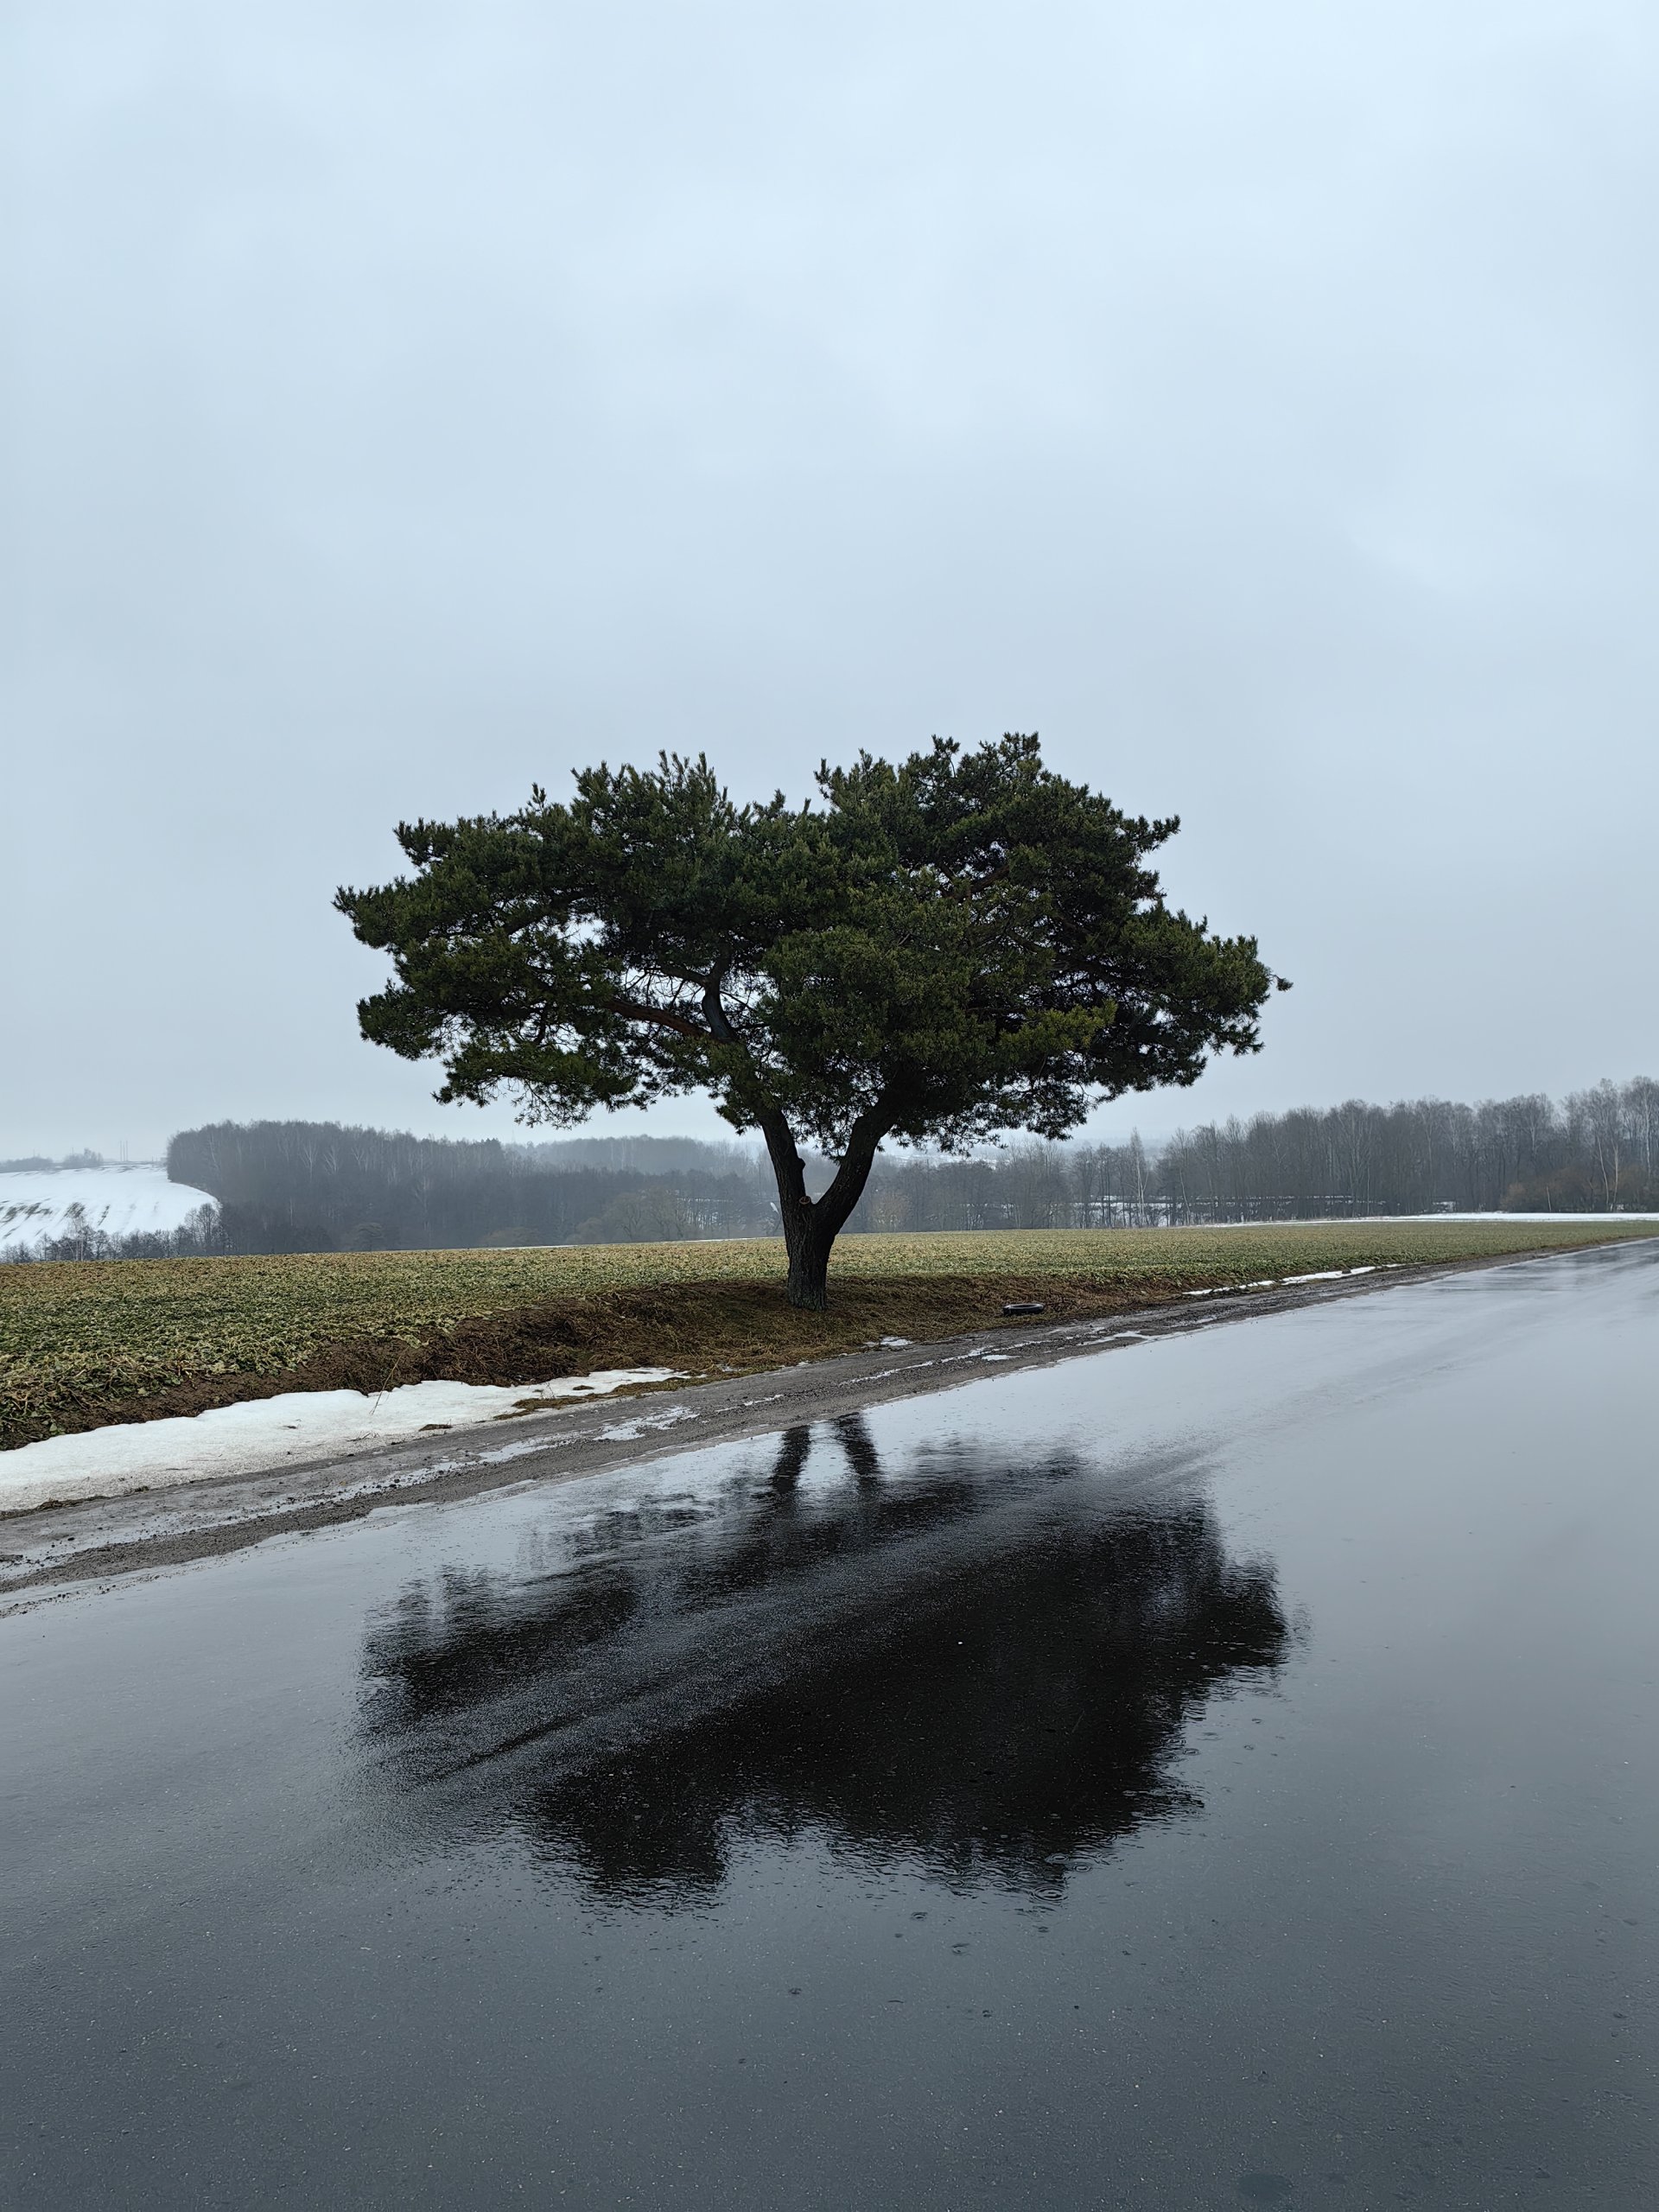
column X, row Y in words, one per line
column 98, row 1543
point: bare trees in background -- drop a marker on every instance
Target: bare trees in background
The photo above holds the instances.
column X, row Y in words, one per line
column 299, row 1187
column 1595, row 1152
column 1614, row 1132
column 315, row 1186
column 79, row 1238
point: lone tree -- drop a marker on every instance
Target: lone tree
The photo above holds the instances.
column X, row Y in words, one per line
column 960, row 944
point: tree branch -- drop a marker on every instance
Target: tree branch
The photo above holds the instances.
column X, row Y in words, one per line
column 714, row 1011
column 854, row 1171
column 662, row 1017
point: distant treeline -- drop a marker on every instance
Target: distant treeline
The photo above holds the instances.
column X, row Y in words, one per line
column 35, row 1163
column 79, row 1239
column 314, row 1186
column 307, row 1187
column 1593, row 1152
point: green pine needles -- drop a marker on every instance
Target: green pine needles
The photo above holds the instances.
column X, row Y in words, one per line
column 938, row 950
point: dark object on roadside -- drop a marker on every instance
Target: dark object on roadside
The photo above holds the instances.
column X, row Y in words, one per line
column 1025, row 1305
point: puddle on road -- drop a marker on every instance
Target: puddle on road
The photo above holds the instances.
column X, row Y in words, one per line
column 980, row 1674
column 1221, row 1774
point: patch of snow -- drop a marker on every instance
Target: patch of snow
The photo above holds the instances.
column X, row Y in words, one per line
column 1376, row 1220
column 36, row 1204
column 625, row 1431
column 264, row 1434
column 1276, row 1282
column 1499, row 1219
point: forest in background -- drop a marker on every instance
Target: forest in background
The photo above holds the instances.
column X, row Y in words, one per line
column 315, row 1186
column 305, row 1186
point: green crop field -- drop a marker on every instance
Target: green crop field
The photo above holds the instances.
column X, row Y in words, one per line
column 85, row 1342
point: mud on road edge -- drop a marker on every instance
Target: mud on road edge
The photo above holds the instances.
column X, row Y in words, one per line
column 97, row 1543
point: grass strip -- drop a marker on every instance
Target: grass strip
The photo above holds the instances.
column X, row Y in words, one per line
column 86, row 1343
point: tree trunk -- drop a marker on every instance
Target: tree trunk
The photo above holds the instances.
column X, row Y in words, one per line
column 810, row 1225
column 808, row 1271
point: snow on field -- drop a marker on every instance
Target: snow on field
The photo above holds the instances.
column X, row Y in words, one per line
column 1374, row 1220
column 267, row 1433
column 36, row 1204
column 1502, row 1219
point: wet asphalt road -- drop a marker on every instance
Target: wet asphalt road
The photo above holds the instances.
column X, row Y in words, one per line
column 1221, row 1772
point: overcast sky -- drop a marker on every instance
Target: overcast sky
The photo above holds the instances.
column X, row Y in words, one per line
column 406, row 402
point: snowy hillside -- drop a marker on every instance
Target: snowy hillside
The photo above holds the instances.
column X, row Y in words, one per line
column 37, row 1205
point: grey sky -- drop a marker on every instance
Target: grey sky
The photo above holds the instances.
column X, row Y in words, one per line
column 407, row 401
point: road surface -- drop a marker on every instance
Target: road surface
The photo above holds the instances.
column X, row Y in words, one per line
column 1221, row 1770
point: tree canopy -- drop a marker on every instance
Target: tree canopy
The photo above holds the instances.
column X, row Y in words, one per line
column 958, row 945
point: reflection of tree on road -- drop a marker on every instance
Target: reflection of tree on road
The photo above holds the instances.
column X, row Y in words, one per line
column 850, row 1431
column 853, row 1435
column 984, row 1670
column 793, row 1447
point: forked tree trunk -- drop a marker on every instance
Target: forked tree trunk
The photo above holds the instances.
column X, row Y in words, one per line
column 811, row 1225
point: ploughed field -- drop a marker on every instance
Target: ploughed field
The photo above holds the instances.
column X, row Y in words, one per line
column 85, row 1343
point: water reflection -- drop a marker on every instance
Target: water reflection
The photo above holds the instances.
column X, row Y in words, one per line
column 984, row 1669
